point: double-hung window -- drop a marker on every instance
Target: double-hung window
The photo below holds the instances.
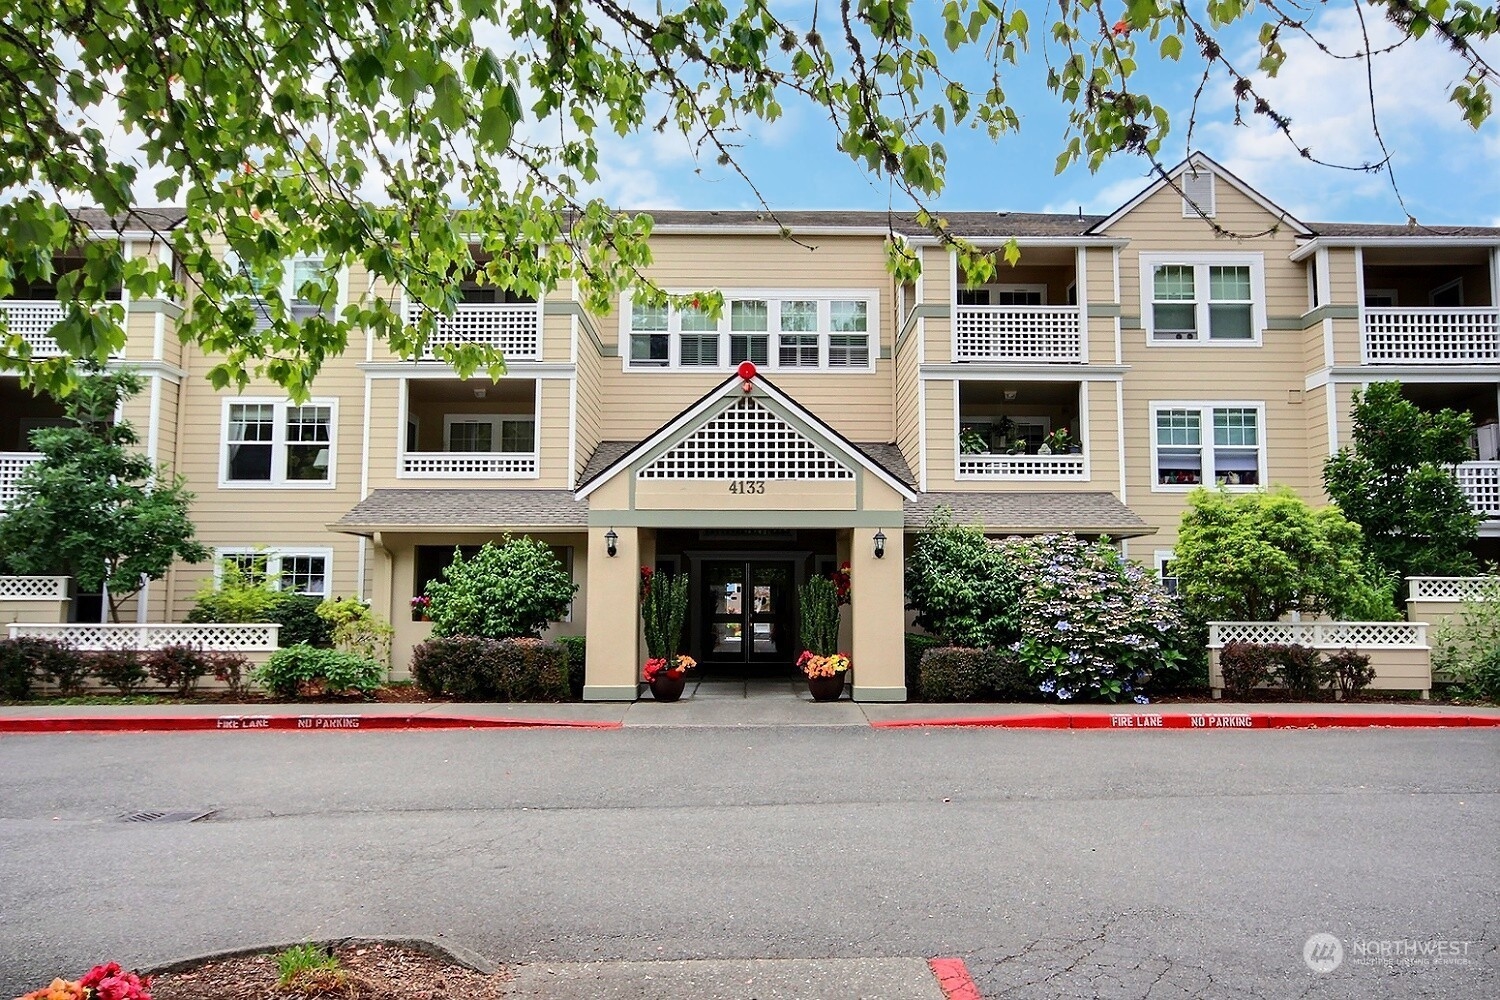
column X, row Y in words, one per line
column 649, row 339
column 797, row 340
column 490, row 432
column 277, row 443
column 749, row 331
column 698, row 339
column 304, row 281
column 1203, row 298
column 793, row 331
column 849, row 339
column 1198, row 443
column 297, row 571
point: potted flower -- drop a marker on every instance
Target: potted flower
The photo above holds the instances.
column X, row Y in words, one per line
column 821, row 662
column 421, row 606
column 1060, row 442
column 664, row 601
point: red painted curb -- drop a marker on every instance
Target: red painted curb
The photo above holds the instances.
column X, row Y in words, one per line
column 954, row 979
column 1200, row 720
column 301, row 723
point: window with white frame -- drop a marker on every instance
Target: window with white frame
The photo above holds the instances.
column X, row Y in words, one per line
column 277, row 443
column 1198, row 443
column 1003, row 295
column 297, row 571
column 1203, row 298
column 1165, row 571
column 298, row 275
column 795, row 331
column 486, row 432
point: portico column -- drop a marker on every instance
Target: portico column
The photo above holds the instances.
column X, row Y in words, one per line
column 878, row 605
column 613, row 649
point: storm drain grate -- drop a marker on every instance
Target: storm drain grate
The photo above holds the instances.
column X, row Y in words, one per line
column 166, row 816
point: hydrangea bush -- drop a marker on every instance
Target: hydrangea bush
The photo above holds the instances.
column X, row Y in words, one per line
column 1094, row 626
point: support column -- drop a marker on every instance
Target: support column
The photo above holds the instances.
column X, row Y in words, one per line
column 613, row 647
column 878, row 599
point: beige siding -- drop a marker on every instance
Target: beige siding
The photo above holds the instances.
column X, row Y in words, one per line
column 552, row 434
column 588, row 389
column 937, row 289
column 908, row 413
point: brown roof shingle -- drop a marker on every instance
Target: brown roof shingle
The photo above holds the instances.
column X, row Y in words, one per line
column 1028, row 513
column 459, row 509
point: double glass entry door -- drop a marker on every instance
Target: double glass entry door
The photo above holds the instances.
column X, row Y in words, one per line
column 748, row 617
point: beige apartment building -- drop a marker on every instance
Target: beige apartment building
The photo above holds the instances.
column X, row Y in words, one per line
column 1170, row 356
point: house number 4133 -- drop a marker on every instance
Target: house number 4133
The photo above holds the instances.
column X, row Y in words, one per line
column 747, row 486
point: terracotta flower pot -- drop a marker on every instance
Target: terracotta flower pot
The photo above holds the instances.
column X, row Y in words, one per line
column 665, row 687
column 827, row 688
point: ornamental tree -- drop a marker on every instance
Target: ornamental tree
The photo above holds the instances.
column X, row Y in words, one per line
column 1397, row 483
column 507, row 591
column 94, row 509
column 963, row 589
column 349, row 129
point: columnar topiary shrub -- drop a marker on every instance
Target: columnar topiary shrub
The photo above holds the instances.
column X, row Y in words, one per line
column 1094, row 625
column 917, row 644
column 577, row 647
column 664, row 605
column 819, row 603
column 506, row 591
column 962, row 589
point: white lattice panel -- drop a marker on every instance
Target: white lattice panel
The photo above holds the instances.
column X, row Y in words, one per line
column 1321, row 635
column 746, row 441
column 1021, row 466
column 1452, row 589
column 33, row 320
column 33, row 588
column 476, row 464
column 12, row 464
column 1481, row 484
column 513, row 328
column 1017, row 333
column 1431, row 336
column 249, row 638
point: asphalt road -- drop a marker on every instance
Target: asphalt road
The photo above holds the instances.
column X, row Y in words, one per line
column 1056, row 864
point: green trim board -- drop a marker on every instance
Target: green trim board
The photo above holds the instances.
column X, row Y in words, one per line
column 747, row 518
column 879, row 693
column 611, row 692
column 1104, row 310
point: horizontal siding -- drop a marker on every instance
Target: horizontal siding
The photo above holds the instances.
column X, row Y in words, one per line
column 552, row 434
column 907, row 404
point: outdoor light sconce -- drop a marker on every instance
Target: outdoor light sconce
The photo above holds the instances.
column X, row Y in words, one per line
column 879, row 544
column 611, row 543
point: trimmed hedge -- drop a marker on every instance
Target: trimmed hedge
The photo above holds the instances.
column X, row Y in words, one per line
column 917, row 643
column 469, row 668
column 955, row 673
column 577, row 647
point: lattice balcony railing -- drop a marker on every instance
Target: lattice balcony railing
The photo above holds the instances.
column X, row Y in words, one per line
column 251, row 638
column 33, row 320
column 470, row 464
column 1432, row 336
column 1481, row 484
column 1322, row 635
column 1449, row 589
column 1021, row 467
column 514, row 328
column 12, row 464
column 33, row 588
column 1017, row 334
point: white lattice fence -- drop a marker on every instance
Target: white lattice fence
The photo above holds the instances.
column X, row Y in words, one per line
column 1021, row 466
column 513, row 328
column 1321, row 635
column 1431, row 336
column 1481, row 484
column 746, row 441
column 491, row 465
column 33, row 588
column 12, row 464
column 247, row 638
column 1017, row 333
column 1447, row 589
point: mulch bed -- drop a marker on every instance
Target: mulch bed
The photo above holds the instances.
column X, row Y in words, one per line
column 368, row 971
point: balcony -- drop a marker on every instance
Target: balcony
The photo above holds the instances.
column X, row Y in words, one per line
column 990, row 466
column 1018, row 334
column 512, row 328
column 1026, row 431
column 12, row 464
column 471, row 429
column 33, row 320
column 1481, row 483
column 1431, row 335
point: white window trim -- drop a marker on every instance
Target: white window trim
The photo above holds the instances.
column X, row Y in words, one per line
column 273, row 558
column 1377, row 292
column 823, row 296
column 1456, row 283
column 288, row 287
column 278, row 480
column 494, row 420
column 1200, row 262
column 1206, row 445
column 1159, row 559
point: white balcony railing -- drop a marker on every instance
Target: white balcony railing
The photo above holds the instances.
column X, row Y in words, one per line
column 1481, row 483
column 248, row 638
column 515, row 329
column 1017, row 334
column 1432, row 336
column 1448, row 589
column 1021, row 467
column 12, row 464
column 33, row 320
column 469, row 464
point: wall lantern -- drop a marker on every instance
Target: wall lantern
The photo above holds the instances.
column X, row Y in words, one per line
column 879, row 544
column 611, row 543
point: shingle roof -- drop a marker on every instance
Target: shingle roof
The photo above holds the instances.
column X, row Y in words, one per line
column 1376, row 229
column 887, row 456
column 977, row 225
column 160, row 219
column 1032, row 513
column 443, row 508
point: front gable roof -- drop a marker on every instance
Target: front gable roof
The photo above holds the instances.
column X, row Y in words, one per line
column 1199, row 162
column 708, row 429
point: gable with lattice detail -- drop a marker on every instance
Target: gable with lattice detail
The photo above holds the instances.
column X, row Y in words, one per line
column 747, row 440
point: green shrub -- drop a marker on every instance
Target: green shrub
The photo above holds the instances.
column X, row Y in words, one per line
column 577, row 647
column 1300, row 670
column 119, row 668
column 357, row 629
column 297, row 614
column 238, row 596
column 1350, row 671
column 819, row 604
column 1244, row 666
column 469, row 668
column 1482, row 680
column 302, row 668
column 229, row 669
column 1009, row 679
column 178, row 667
column 961, row 588
column 955, row 673
column 1466, row 649
column 507, row 591
column 664, row 606
column 29, row 659
column 917, row 643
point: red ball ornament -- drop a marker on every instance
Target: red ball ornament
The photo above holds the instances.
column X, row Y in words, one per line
column 747, row 370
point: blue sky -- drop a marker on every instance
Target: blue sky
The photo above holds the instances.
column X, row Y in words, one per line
column 1446, row 172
